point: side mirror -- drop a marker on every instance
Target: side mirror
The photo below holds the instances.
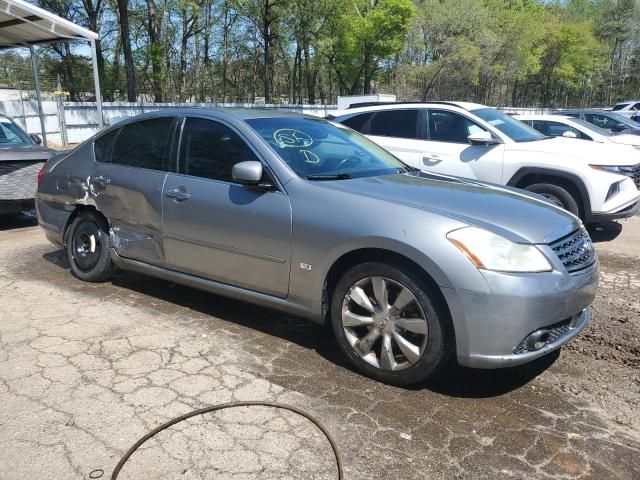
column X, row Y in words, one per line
column 249, row 173
column 481, row 138
column 36, row 138
column 570, row 134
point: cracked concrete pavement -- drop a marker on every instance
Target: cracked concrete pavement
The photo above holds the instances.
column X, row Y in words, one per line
column 87, row 369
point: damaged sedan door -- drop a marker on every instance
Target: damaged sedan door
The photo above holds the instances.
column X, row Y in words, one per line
column 127, row 185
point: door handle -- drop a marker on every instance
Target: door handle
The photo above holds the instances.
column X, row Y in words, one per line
column 178, row 194
column 431, row 160
column 101, row 180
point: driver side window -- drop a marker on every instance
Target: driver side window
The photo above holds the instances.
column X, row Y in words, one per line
column 209, row 149
column 451, row 127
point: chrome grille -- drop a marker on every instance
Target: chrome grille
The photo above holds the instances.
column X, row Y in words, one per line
column 575, row 251
column 633, row 173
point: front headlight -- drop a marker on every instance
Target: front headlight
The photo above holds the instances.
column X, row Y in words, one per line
column 492, row 252
column 613, row 169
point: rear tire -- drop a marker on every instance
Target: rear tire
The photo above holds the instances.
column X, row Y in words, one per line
column 557, row 195
column 89, row 248
column 401, row 335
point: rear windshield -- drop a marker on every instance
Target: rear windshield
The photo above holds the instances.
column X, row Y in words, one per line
column 315, row 147
column 592, row 127
column 11, row 134
column 620, row 106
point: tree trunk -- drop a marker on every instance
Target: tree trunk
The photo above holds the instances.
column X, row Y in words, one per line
column 266, row 36
column 225, row 48
column 123, row 20
column 310, row 77
column 154, row 30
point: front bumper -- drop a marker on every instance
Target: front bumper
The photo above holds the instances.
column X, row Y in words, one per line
column 14, row 206
column 490, row 328
column 625, row 212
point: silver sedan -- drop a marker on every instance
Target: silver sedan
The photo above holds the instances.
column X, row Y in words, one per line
column 309, row 217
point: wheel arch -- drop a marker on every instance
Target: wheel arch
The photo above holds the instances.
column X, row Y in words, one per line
column 77, row 211
column 530, row 175
column 381, row 255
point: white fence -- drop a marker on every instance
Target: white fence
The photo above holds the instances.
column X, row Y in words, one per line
column 74, row 122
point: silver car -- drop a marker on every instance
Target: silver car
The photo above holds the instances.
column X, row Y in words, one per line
column 21, row 158
column 309, row 217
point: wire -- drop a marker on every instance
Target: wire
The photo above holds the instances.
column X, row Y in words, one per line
column 213, row 408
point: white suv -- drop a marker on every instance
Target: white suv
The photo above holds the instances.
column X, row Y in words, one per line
column 593, row 181
column 629, row 108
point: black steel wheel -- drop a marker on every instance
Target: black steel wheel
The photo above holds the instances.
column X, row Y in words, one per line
column 89, row 248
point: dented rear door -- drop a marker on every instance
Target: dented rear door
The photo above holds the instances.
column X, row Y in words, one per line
column 128, row 187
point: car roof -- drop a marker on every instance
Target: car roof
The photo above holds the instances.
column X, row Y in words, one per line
column 581, row 110
column 374, row 106
column 241, row 113
column 540, row 116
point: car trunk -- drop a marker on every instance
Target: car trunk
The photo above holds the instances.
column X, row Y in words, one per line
column 19, row 167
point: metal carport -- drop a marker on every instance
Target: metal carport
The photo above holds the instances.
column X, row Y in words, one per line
column 25, row 25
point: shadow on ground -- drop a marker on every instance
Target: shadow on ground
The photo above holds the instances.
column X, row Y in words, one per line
column 453, row 380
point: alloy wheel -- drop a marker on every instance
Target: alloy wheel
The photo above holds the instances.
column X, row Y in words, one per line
column 384, row 323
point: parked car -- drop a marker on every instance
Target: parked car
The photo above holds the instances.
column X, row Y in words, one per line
column 571, row 127
column 474, row 141
column 610, row 121
column 627, row 109
column 309, row 217
column 21, row 158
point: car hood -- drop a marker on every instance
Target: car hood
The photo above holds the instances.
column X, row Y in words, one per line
column 582, row 150
column 625, row 139
column 509, row 212
column 25, row 152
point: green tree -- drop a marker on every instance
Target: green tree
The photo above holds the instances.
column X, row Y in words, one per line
column 362, row 34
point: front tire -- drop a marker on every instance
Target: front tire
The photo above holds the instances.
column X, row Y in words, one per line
column 389, row 324
column 557, row 195
column 89, row 248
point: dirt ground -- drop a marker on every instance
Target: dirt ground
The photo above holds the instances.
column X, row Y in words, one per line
column 86, row 370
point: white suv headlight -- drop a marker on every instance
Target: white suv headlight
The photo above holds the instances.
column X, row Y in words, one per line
column 492, row 252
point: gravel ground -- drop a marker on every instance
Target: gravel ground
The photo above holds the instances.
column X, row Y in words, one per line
column 86, row 370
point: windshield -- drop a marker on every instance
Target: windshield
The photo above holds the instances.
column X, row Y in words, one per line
column 324, row 150
column 11, row 134
column 621, row 119
column 591, row 126
column 514, row 129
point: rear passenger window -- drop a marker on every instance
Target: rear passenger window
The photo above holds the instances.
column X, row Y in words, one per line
column 395, row 123
column 357, row 122
column 210, row 150
column 144, row 144
column 103, row 146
